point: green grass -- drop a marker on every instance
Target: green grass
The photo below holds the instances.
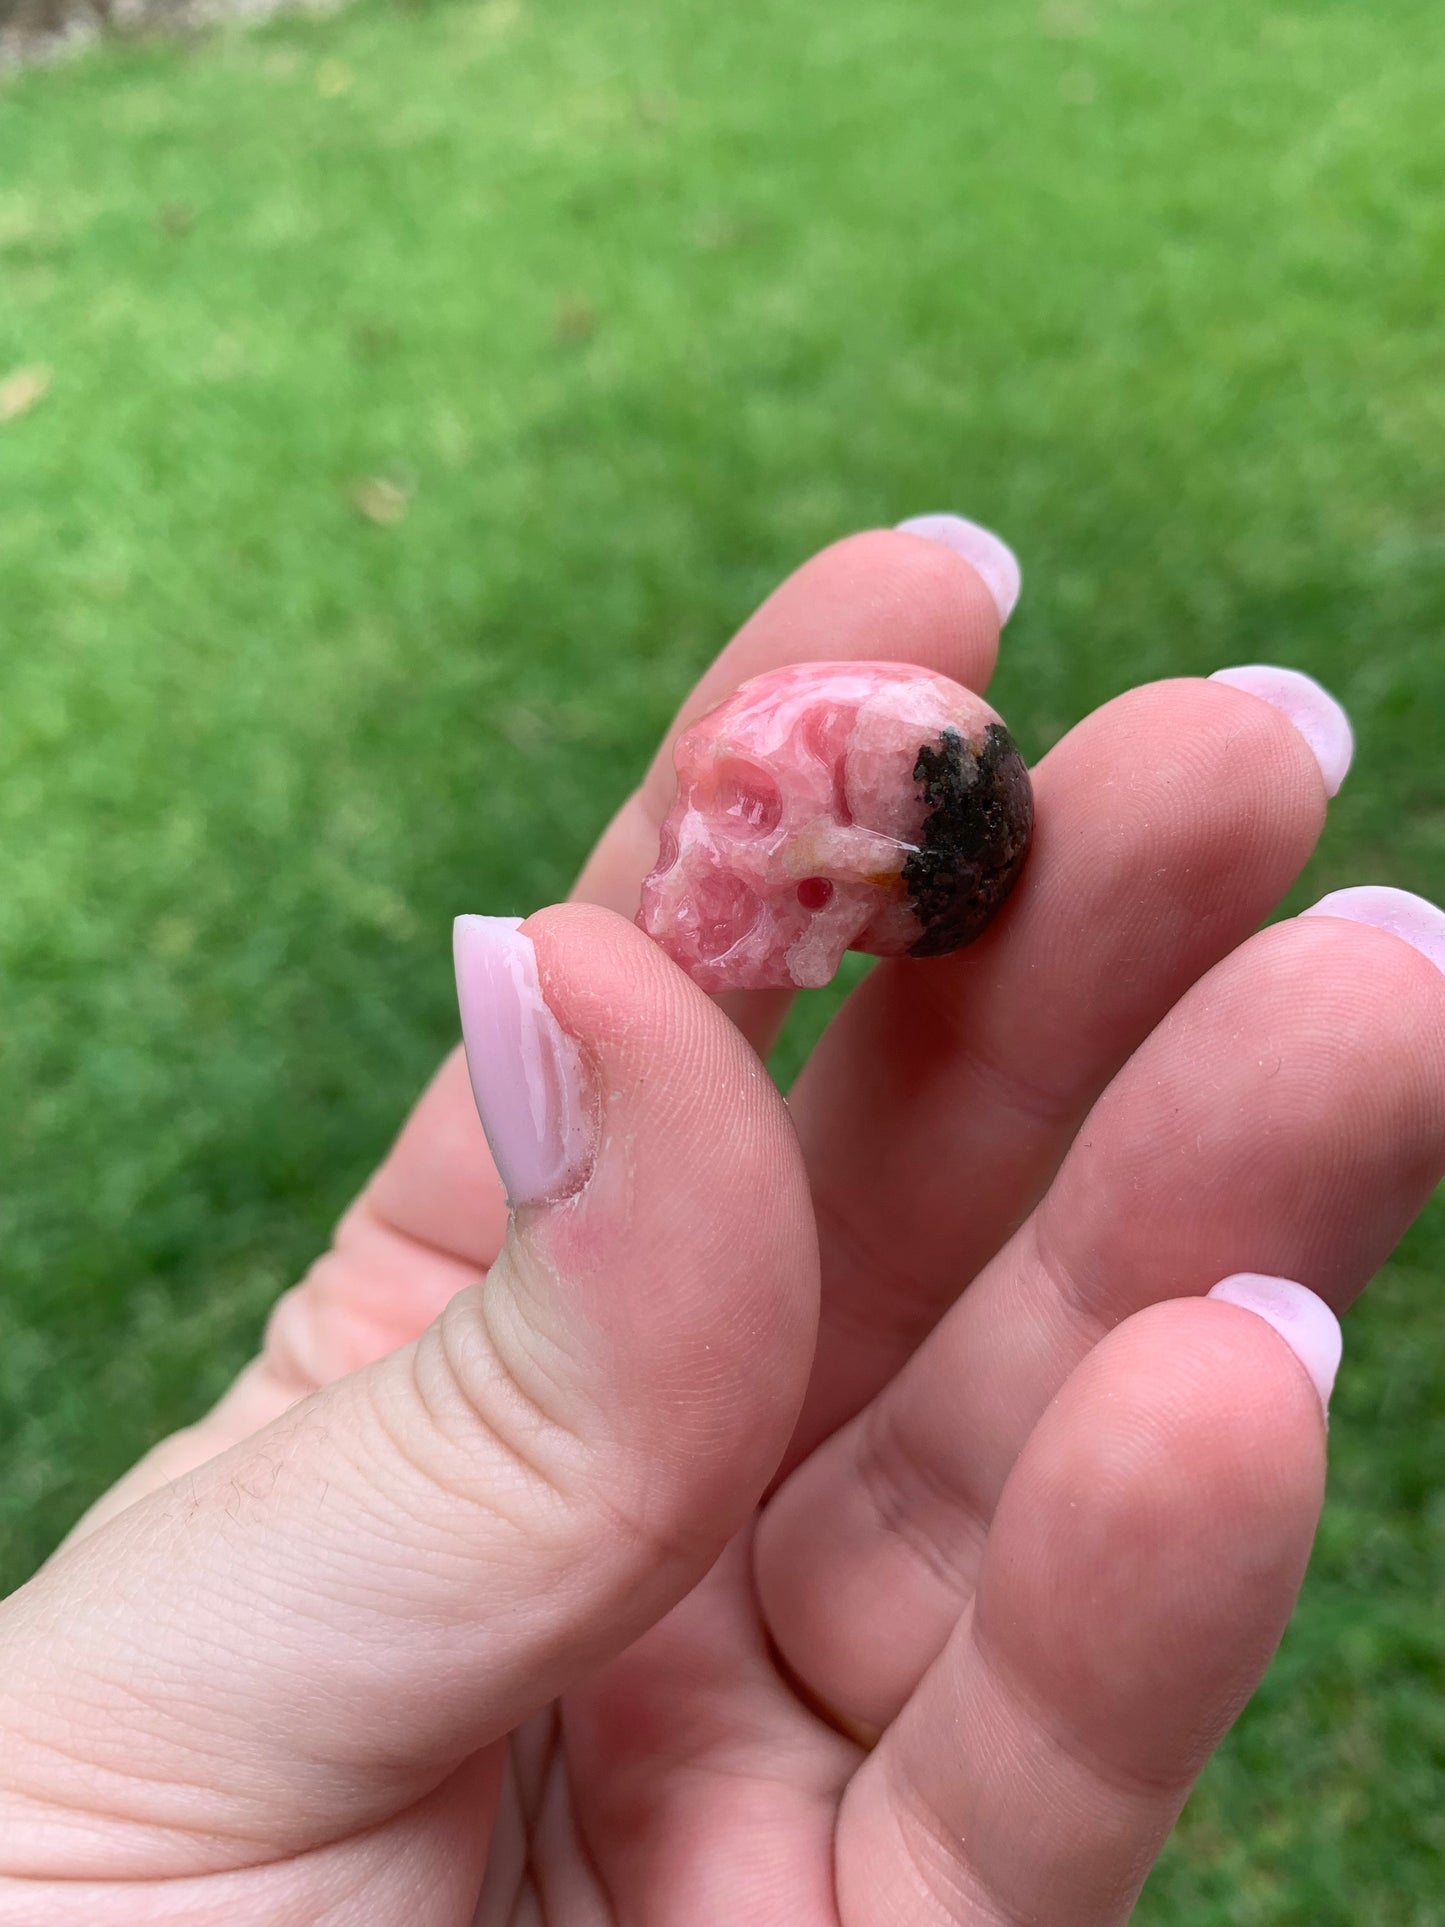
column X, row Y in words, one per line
column 636, row 305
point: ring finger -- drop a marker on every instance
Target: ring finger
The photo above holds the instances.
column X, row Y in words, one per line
column 1288, row 1117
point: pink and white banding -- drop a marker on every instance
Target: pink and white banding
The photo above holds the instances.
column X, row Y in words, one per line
column 833, row 806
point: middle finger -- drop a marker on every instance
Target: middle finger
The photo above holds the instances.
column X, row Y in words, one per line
column 941, row 1098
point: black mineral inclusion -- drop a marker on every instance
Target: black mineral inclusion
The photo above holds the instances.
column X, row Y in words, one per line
column 975, row 836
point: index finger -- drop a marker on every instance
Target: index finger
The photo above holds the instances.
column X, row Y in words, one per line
column 886, row 595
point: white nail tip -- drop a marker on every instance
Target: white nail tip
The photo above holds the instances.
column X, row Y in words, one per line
column 1308, row 705
column 1303, row 1320
column 984, row 552
column 526, row 1072
column 1414, row 920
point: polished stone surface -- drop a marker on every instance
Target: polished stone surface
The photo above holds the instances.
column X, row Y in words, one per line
column 833, row 806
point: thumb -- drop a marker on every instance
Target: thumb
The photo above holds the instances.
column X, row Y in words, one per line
column 333, row 1614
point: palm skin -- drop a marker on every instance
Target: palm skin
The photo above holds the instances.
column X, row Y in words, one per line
column 1043, row 1506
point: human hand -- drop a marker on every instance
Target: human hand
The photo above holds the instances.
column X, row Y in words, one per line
column 480, row 1533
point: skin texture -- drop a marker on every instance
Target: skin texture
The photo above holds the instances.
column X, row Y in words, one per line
column 471, row 1588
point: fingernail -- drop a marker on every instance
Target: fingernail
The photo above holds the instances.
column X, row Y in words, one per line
column 1414, row 920
column 1309, row 706
column 527, row 1073
column 984, row 551
column 1303, row 1320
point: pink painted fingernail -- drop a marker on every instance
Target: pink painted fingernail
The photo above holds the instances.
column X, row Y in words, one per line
column 1414, row 920
column 1303, row 1320
column 527, row 1074
column 984, row 551
column 1309, row 706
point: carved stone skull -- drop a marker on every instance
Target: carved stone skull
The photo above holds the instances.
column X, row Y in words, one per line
column 835, row 806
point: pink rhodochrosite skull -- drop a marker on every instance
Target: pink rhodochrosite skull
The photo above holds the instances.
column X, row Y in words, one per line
column 834, row 806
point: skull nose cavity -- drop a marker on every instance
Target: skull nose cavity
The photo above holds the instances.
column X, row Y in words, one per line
column 814, row 892
column 725, row 910
column 746, row 796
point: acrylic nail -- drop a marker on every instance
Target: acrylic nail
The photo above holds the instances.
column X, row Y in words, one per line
column 1308, row 705
column 527, row 1074
column 986, row 553
column 1303, row 1320
column 1414, row 920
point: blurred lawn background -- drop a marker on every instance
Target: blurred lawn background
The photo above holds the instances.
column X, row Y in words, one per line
column 416, row 400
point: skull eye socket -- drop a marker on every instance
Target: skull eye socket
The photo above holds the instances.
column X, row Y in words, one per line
column 825, row 734
column 746, row 795
column 814, row 892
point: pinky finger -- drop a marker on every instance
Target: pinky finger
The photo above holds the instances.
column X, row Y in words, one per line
column 1139, row 1572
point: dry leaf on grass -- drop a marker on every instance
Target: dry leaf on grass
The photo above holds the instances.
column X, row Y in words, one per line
column 21, row 391
column 380, row 500
column 333, row 79
column 575, row 321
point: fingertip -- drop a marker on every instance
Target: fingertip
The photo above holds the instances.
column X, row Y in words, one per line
column 1309, row 706
column 1414, row 920
column 986, row 553
column 1300, row 1316
column 888, row 595
column 697, row 1189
